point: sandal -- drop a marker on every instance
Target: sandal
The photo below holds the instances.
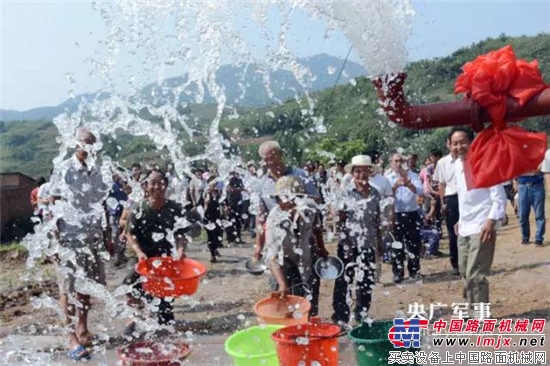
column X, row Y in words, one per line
column 78, row 353
column 88, row 339
column 129, row 329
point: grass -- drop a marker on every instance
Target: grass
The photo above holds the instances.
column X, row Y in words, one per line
column 16, row 246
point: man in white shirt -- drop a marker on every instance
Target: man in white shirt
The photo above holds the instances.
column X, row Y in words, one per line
column 480, row 210
column 45, row 199
column 343, row 173
column 406, row 185
column 78, row 215
column 444, row 174
column 177, row 190
column 177, row 187
column 197, row 187
column 545, row 168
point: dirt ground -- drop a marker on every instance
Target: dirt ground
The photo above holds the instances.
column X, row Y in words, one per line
column 519, row 289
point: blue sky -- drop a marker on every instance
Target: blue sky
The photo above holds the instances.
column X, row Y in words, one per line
column 44, row 41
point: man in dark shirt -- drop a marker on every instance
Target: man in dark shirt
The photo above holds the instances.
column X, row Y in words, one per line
column 154, row 224
column 234, row 207
column 212, row 219
column 358, row 243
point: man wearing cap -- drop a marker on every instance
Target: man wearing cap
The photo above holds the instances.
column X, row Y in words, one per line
column 290, row 248
column 359, row 241
column 406, row 185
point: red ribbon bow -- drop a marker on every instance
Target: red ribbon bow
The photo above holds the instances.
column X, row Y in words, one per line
column 501, row 152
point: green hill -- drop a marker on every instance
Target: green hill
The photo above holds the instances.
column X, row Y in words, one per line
column 353, row 121
column 350, row 113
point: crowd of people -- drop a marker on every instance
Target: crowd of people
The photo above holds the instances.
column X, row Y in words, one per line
column 377, row 213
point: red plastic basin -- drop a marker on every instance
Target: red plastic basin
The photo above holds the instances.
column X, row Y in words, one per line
column 150, row 353
column 167, row 277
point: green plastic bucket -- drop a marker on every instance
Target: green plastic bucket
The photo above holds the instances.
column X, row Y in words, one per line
column 253, row 346
column 371, row 344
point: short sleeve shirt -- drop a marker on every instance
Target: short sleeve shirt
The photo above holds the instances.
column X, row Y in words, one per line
column 363, row 218
column 405, row 199
column 266, row 188
column 445, row 173
column 44, row 194
column 382, row 185
column 288, row 237
column 545, row 167
column 83, row 191
column 156, row 231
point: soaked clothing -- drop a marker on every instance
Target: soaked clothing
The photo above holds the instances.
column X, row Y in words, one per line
column 79, row 214
column 212, row 221
column 86, row 264
column 359, row 266
column 82, row 190
column 289, row 240
column 356, row 249
column 234, row 203
column 363, row 218
column 266, row 188
column 153, row 228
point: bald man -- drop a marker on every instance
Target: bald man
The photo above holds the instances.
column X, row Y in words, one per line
column 272, row 157
column 79, row 213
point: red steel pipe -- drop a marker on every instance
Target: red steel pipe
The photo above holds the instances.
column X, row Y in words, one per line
column 462, row 112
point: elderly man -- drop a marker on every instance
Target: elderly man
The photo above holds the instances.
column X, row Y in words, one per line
column 197, row 187
column 406, row 185
column 272, row 155
column 289, row 250
column 359, row 243
column 79, row 184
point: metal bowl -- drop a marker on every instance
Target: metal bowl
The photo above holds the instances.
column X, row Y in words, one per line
column 194, row 218
column 255, row 266
column 329, row 268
